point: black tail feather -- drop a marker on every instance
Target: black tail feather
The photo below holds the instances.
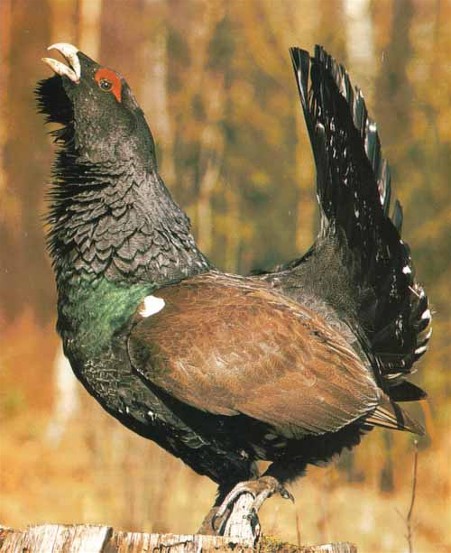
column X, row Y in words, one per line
column 354, row 192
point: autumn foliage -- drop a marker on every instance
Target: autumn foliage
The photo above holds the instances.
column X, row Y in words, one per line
column 215, row 82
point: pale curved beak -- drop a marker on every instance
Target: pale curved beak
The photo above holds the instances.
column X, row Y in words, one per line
column 69, row 52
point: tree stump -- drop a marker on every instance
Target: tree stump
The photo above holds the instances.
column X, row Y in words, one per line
column 56, row 538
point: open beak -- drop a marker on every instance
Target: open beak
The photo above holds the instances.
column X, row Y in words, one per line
column 69, row 52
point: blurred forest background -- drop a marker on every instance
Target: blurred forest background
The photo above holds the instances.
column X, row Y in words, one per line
column 215, row 81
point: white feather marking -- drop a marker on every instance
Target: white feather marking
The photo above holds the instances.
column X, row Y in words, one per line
column 152, row 305
column 393, row 376
column 420, row 350
column 426, row 314
column 406, row 270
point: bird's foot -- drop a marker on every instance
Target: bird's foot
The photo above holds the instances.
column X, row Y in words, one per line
column 237, row 514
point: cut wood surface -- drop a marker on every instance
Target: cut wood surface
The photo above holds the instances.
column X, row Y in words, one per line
column 57, row 538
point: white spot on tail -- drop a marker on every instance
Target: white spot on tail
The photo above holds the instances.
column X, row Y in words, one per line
column 406, row 270
column 421, row 350
column 152, row 305
column 393, row 376
column 426, row 315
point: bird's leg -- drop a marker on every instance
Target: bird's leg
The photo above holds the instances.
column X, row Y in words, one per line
column 210, row 524
column 255, row 493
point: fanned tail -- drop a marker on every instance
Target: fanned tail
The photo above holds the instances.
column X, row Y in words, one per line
column 354, row 193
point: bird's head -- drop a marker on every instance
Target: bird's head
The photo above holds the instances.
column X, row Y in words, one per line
column 101, row 119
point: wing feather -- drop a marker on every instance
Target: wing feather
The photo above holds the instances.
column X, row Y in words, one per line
column 230, row 346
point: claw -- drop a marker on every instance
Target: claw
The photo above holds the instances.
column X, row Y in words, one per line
column 286, row 494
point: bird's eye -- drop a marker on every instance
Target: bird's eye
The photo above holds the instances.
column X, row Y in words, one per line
column 108, row 81
column 105, row 85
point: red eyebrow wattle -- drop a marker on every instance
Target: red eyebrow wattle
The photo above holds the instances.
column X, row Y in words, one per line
column 110, row 75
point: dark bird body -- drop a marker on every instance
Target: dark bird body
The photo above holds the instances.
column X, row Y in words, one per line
column 289, row 366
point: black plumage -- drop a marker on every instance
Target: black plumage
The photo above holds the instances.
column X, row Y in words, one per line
column 288, row 366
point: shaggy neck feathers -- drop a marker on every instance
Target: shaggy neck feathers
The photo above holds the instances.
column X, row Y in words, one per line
column 119, row 223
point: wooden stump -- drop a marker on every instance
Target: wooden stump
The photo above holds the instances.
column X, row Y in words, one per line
column 56, row 538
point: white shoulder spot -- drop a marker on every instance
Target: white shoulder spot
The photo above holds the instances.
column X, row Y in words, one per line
column 151, row 305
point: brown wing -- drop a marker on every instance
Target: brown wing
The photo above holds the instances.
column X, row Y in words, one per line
column 228, row 346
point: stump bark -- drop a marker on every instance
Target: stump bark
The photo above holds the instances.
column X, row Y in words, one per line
column 56, row 538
